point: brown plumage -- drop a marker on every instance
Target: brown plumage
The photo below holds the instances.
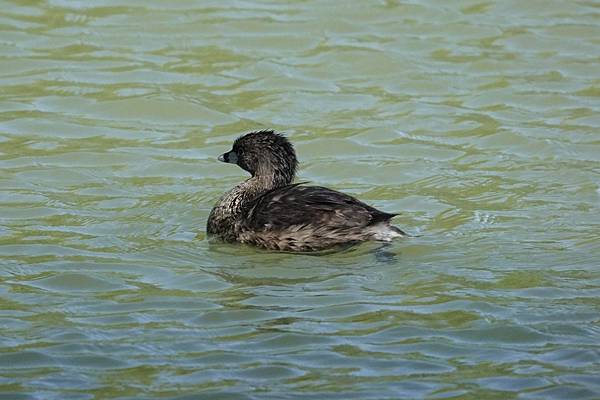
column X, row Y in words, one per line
column 268, row 211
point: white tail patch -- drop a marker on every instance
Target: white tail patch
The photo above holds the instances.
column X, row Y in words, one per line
column 384, row 232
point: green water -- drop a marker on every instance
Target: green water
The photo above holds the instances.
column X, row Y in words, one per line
column 478, row 120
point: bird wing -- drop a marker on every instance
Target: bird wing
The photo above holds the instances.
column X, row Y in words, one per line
column 297, row 205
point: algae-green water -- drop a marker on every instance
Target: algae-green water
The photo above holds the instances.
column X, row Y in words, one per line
column 478, row 121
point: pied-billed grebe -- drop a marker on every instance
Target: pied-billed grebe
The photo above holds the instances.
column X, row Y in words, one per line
column 268, row 211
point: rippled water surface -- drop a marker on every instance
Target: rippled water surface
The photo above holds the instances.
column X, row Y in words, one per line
column 478, row 120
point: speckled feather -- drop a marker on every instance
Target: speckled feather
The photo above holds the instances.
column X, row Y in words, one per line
column 304, row 218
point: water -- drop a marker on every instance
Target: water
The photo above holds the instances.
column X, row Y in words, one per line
column 479, row 121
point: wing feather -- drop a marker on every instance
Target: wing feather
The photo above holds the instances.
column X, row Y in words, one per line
column 309, row 206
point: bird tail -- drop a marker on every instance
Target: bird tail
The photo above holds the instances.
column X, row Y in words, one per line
column 398, row 230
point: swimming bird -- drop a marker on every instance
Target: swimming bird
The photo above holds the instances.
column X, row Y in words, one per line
column 269, row 211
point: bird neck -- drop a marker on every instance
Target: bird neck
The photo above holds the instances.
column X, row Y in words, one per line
column 269, row 176
column 264, row 182
column 251, row 188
